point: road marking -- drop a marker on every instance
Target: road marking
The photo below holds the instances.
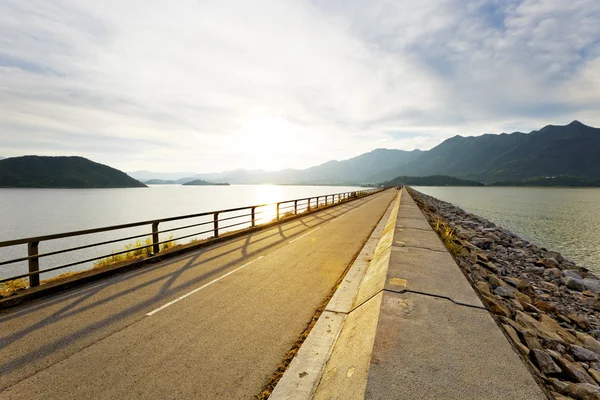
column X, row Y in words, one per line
column 200, row 288
column 307, row 233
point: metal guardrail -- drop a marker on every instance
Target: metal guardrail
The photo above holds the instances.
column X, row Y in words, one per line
column 283, row 208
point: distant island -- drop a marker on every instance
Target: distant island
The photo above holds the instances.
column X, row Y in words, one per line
column 61, row 172
column 200, row 182
column 434, row 180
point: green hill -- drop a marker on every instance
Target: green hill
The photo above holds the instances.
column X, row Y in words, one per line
column 553, row 150
column 552, row 181
column 61, row 172
column 434, row 180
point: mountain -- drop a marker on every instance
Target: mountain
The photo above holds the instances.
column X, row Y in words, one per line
column 508, row 157
column 434, row 180
column 355, row 170
column 166, row 176
column 553, row 150
column 61, row 172
column 159, row 182
column 200, row 182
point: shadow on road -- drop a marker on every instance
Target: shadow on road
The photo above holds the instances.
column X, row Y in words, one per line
column 171, row 283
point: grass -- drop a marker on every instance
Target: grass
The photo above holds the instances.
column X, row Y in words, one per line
column 284, row 216
column 9, row 287
column 137, row 250
column 446, row 233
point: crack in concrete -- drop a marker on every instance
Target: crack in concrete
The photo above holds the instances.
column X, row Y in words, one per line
column 439, row 296
column 421, row 247
column 404, row 228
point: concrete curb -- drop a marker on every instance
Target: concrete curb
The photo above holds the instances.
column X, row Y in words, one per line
column 303, row 376
column 93, row 275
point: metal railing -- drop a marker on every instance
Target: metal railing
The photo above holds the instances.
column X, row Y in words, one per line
column 250, row 216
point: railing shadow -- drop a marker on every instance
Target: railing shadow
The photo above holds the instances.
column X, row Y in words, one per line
column 265, row 240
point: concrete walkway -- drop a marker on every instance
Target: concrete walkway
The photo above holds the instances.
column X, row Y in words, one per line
column 414, row 329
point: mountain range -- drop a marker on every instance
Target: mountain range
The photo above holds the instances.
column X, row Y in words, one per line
column 569, row 150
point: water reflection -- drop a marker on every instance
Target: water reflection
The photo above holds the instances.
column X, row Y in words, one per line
column 268, row 194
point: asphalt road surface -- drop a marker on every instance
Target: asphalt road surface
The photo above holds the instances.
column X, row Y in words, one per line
column 215, row 323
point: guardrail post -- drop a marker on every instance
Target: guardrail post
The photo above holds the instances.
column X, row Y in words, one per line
column 155, row 239
column 277, row 211
column 308, row 205
column 296, row 207
column 34, row 263
column 216, row 224
column 253, row 212
column 326, row 198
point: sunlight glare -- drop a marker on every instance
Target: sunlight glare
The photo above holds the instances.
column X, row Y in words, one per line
column 267, row 140
column 268, row 194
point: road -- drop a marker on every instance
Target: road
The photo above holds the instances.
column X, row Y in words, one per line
column 215, row 323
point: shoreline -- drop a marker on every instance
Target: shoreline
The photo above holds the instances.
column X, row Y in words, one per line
column 548, row 307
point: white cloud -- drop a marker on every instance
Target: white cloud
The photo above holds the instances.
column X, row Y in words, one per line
column 200, row 85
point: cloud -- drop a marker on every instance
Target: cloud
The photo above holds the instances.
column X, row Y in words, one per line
column 217, row 85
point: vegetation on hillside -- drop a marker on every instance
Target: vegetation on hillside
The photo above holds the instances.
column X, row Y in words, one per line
column 553, row 150
column 551, row 181
column 61, row 172
column 434, row 180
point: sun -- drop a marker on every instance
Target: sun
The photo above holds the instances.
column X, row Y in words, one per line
column 267, row 140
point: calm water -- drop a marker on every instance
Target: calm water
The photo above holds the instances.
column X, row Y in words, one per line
column 33, row 212
column 561, row 219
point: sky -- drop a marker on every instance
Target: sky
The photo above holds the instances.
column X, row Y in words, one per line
column 207, row 86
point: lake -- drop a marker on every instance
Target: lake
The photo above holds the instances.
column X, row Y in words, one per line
column 561, row 219
column 34, row 212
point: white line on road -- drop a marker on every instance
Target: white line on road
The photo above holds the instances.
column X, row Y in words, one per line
column 307, row 233
column 200, row 288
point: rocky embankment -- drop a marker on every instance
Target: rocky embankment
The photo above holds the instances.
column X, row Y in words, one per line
column 548, row 306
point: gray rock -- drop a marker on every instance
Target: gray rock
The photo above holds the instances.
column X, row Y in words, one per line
column 573, row 371
column 505, row 291
column 593, row 285
column 544, row 362
column 583, row 354
column 552, row 273
column 495, row 238
column 535, row 270
column 495, row 281
column 483, row 243
column 573, row 283
column 555, row 255
column 583, row 391
column 548, row 262
column 571, row 273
